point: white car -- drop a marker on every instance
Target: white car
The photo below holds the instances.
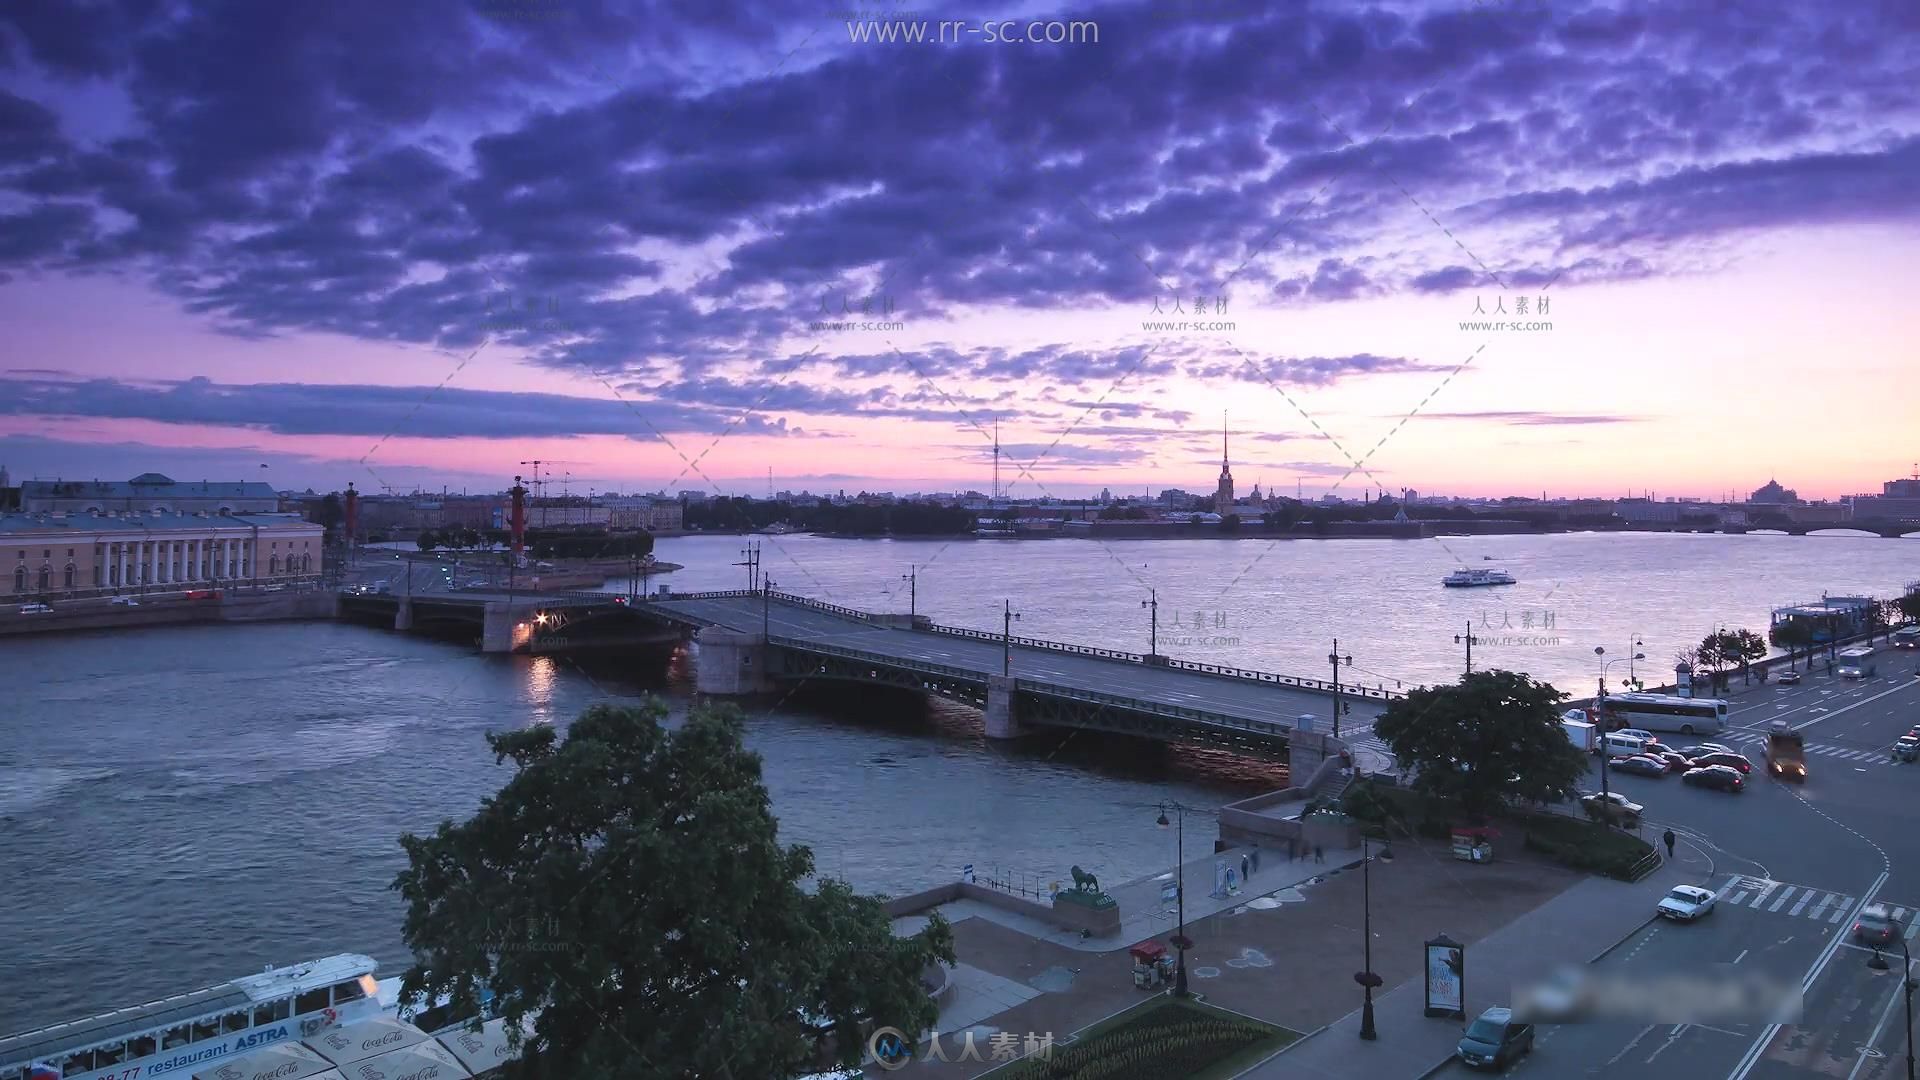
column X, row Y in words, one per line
column 126, row 601
column 1642, row 734
column 1685, row 903
column 35, row 609
column 1850, row 672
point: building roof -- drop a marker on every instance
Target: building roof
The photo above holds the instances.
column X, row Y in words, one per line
column 146, row 485
column 140, row 522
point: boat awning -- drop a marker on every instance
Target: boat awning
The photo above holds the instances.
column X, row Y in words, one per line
column 48, row 1041
column 421, row 1059
column 369, row 1038
column 287, row 1061
column 487, row 1049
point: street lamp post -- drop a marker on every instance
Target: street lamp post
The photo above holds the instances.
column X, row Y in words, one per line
column 1366, row 977
column 1600, row 712
column 912, row 578
column 1907, row 985
column 1336, row 660
column 766, row 606
column 1635, row 644
column 1153, row 622
column 1468, row 639
column 1006, row 638
column 1180, row 940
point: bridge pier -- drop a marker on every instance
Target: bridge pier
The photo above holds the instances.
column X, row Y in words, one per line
column 505, row 627
column 1001, row 721
column 732, row 662
column 403, row 618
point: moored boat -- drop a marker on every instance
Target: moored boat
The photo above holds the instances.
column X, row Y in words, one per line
column 1465, row 578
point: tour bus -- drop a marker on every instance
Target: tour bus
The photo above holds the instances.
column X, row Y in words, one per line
column 1664, row 712
column 175, row 1035
column 1855, row 663
column 1907, row 637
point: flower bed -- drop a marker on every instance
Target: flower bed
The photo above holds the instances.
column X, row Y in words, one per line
column 1172, row 1038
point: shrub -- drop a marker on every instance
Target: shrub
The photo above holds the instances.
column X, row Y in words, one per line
column 1167, row 1041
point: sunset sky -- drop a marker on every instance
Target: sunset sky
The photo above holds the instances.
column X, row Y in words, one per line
column 416, row 244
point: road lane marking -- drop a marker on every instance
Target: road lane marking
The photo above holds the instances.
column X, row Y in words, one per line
column 1801, row 906
column 1822, row 909
column 1764, row 893
column 1785, row 894
column 1838, row 915
column 1759, row 1046
column 1742, row 956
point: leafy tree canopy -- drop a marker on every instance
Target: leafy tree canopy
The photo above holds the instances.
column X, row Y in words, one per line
column 627, row 884
column 1492, row 738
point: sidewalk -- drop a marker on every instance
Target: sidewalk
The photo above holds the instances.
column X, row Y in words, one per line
column 1143, row 912
column 1574, row 927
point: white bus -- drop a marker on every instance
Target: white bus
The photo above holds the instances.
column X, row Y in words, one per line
column 1663, row 712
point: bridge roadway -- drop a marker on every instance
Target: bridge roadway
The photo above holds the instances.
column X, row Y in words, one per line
column 797, row 623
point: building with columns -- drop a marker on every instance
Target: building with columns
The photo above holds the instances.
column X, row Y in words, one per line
column 50, row 554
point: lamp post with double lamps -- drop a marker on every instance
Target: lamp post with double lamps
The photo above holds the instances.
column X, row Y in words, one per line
column 1152, row 602
column 1006, row 638
column 1366, row 977
column 1600, row 714
column 1180, row 940
column 1908, row 983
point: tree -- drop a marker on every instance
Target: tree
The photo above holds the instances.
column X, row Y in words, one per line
column 1743, row 646
column 628, row 884
column 1230, row 523
column 1791, row 635
column 1485, row 741
column 428, row 540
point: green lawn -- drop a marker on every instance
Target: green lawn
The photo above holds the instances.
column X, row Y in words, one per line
column 1158, row 1039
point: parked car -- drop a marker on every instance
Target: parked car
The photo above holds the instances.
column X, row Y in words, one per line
column 1642, row 765
column 1715, row 776
column 126, row 601
column 1731, row 761
column 1676, row 761
column 1877, row 926
column 1612, row 807
column 1685, row 903
column 1495, row 1040
column 35, row 609
column 1707, row 748
column 1789, row 678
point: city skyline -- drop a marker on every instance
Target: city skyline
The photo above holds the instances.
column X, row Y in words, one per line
column 626, row 261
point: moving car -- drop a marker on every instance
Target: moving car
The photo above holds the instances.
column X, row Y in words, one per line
column 35, row 609
column 1731, row 761
column 1612, row 807
column 1850, row 671
column 1715, row 776
column 126, row 601
column 1789, row 678
column 1642, row 765
column 1906, row 749
column 1685, row 903
column 1876, row 926
column 1495, row 1040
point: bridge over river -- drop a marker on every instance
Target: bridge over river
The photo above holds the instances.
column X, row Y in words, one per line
column 752, row 642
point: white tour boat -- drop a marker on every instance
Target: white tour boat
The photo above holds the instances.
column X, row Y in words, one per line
column 1464, row 578
column 176, row 1035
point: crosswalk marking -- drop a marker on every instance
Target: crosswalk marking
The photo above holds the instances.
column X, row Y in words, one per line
column 1801, row 906
column 1785, row 894
column 1818, row 911
column 1842, row 912
column 1764, row 893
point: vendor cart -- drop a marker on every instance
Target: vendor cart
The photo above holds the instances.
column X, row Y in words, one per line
column 1474, row 844
column 1152, row 967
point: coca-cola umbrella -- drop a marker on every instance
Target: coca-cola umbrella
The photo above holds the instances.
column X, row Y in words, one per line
column 487, row 1049
column 287, row 1061
column 369, row 1038
column 421, row 1061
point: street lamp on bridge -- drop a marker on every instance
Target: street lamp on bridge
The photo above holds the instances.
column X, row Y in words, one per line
column 1336, row 660
column 912, row 578
column 1006, row 638
column 1153, row 622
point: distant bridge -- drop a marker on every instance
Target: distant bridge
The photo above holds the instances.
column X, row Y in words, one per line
column 756, row 642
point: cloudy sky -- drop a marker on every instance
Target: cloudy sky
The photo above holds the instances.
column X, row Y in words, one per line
column 1470, row 247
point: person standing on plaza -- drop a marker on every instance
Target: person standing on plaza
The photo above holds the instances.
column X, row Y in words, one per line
column 1246, row 865
column 1319, row 853
column 1667, row 837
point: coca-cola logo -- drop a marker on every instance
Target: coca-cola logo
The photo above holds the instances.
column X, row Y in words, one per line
column 291, row 1068
column 472, row 1043
column 382, row 1040
column 427, row 1073
column 227, row 1072
column 336, row 1040
column 368, row 1072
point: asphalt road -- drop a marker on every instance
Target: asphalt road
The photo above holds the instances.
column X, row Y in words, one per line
column 1227, row 696
column 1794, row 863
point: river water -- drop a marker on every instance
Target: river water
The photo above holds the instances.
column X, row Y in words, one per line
column 182, row 805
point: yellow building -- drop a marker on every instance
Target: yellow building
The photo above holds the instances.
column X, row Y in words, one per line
column 57, row 554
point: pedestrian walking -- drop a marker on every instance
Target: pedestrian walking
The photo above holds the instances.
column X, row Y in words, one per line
column 1246, row 866
column 1668, row 837
column 1256, row 856
column 1319, row 854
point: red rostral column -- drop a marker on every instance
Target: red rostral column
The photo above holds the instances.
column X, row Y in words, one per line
column 353, row 515
column 519, row 518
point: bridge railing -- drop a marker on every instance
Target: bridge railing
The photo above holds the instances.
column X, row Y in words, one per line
column 821, row 605
column 1037, row 643
column 927, row 667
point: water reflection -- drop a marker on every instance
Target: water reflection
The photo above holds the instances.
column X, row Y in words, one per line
column 540, row 674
